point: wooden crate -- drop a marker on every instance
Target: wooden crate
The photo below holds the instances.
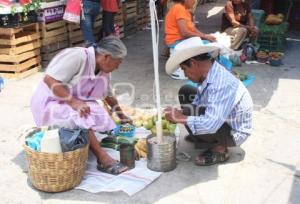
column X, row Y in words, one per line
column 143, row 13
column 20, row 51
column 76, row 36
column 130, row 18
column 54, row 39
column 53, row 32
column 18, row 40
column 49, row 51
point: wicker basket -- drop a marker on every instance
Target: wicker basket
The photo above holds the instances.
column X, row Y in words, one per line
column 56, row 172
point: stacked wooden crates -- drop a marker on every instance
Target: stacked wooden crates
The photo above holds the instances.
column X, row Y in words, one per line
column 75, row 33
column 143, row 13
column 20, row 51
column 54, row 39
column 130, row 17
column 54, row 32
column 119, row 21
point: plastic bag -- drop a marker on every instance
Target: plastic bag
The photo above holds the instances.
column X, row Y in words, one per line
column 72, row 139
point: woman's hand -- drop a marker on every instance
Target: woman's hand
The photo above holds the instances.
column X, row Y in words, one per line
column 124, row 118
column 81, row 107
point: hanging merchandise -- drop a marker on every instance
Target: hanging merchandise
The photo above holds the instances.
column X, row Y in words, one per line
column 24, row 2
column 73, row 11
column 6, row 2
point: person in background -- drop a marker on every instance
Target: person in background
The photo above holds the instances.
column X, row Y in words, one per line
column 179, row 26
column 91, row 8
column 238, row 22
column 110, row 8
column 67, row 96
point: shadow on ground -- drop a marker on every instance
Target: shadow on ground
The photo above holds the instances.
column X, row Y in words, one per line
column 185, row 175
column 294, row 190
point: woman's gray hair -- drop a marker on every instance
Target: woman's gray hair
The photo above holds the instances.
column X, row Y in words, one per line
column 113, row 46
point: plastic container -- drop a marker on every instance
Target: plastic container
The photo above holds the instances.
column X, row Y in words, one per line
column 275, row 62
column 118, row 130
column 258, row 16
column 50, row 143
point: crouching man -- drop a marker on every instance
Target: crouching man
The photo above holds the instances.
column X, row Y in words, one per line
column 218, row 112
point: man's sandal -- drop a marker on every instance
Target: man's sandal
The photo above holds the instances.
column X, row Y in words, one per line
column 115, row 169
column 209, row 157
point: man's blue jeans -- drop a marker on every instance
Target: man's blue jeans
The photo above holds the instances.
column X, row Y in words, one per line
column 90, row 9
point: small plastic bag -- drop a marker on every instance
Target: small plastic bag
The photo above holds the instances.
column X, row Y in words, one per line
column 72, row 139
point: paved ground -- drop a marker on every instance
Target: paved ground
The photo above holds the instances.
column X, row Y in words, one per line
column 265, row 169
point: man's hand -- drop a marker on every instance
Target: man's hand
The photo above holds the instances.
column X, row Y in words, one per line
column 81, row 107
column 174, row 115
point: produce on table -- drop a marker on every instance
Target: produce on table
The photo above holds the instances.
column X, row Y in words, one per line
column 141, row 148
column 281, row 16
column 276, row 55
column 262, row 56
column 146, row 118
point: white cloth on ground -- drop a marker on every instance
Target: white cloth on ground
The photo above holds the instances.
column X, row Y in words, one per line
column 130, row 182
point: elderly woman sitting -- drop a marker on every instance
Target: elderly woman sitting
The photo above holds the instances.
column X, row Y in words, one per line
column 179, row 26
column 74, row 80
column 238, row 22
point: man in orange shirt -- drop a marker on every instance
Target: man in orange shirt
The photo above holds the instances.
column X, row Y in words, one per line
column 110, row 8
column 179, row 23
column 179, row 26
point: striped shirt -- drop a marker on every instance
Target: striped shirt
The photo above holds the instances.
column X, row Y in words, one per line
column 225, row 99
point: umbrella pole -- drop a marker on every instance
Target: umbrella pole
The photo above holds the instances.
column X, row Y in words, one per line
column 155, row 39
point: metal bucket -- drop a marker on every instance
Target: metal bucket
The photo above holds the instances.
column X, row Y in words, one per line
column 161, row 157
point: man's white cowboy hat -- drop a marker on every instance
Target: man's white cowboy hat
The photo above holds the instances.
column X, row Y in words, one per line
column 187, row 49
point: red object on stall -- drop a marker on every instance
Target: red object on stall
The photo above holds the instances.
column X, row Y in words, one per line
column 72, row 11
column 267, row 6
column 24, row 2
column 5, row 2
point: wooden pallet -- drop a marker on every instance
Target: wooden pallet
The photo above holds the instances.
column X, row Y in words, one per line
column 19, row 40
column 19, row 51
column 53, row 32
column 75, row 33
column 20, row 75
column 129, row 10
column 20, row 70
column 49, row 51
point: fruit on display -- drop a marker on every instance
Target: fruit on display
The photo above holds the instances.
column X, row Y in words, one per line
column 274, row 19
column 146, row 118
column 276, row 55
column 281, row 16
column 148, row 124
column 262, row 56
column 141, row 148
column 126, row 128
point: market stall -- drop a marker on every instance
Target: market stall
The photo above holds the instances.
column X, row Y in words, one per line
column 48, row 33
